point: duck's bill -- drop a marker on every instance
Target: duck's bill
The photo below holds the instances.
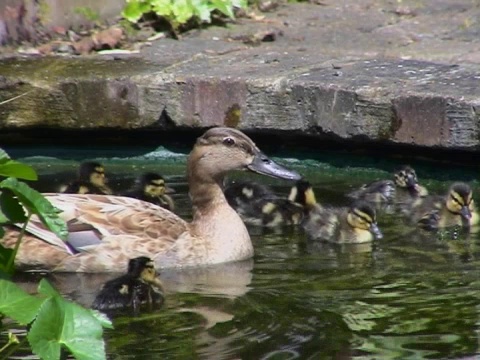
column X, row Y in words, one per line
column 169, row 190
column 261, row 164
column 375, row 230
column 465, row 213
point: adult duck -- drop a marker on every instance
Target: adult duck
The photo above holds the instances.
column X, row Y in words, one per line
column 106, row 231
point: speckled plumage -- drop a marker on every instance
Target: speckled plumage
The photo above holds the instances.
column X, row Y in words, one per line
column 456, row 208
column 127, row 228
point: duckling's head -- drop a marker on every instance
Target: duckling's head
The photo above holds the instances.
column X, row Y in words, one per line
column 93, row 172
column 302, row 193
column 405, row 177
column 220, row 150
column 153, row 184
column 460, row 200
column 362, row 215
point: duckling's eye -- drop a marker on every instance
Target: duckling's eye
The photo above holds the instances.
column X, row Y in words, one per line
column 229, row 141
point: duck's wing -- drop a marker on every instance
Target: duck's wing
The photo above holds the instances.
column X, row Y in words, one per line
column 92, row 220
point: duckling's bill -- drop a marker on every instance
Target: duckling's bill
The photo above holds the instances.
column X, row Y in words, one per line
column 262, row 164
column 375, row 230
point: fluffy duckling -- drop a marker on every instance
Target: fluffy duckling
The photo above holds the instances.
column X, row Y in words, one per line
column 456, row 208
column 91, row 180
column 139, row 286
column 151, row 187
column 355, row 224
column 403, row 189
column 258, row 205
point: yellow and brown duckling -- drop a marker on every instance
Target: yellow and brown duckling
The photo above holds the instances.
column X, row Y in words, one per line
column 139, row 286
column 151, row 187
column 355, row 224
column 402, row 189
column 91, row 180
column 258, row 205
column 456, row 208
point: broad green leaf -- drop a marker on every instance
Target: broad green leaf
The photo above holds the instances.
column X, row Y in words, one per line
column 45, row 288
column 202, row 10
column 17, row 304
column 3, row 156
column 60, row 322
column 11, row 207
column 36, row 203
column 102, row 318
column 45, row 334
column 83, row 333
column 16, row 169
column 163, row 8
column 134, row 10
column 182, row 11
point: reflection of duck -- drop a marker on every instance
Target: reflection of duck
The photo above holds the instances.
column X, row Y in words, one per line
column 258, row 205
column 404, row 188
column 455, row 208
column 355, row 224
column 151, row 187
column 114, row 227
column 91, row 180
column 139, row 286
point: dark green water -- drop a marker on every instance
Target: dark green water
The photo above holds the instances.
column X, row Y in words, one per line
column 408, row 296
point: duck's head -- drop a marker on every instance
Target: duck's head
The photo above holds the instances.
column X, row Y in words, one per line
column 302, row 193
column 153, row 184
column 460, row 200
column 362, row 215
column 92, row 172
column 405, row 177
column 220, row 150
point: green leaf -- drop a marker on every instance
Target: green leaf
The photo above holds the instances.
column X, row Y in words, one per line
column 134, row 10
column 182, row 11
column 35, row 203
column 102, row 318
column 60, row 322
column 11, row 207
column 17, row 304
column 45, row 333
column 3, row 156
column 45, row 288
column 202, row 10
column 163, row 8
column 223, row 6
column 18, row 170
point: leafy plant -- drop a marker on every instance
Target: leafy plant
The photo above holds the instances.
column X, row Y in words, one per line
column 178, row 12
column 54, row 322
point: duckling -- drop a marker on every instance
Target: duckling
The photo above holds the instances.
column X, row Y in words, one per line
column 151, row 187
column 258, row 205
column 355, row 224
column 456, row 208
column 91, row 180
column 404, row 188
column 138, row 286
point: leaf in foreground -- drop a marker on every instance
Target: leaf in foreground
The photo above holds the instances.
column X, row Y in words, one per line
column 16, row 169
column 17, row 304
column 61, row 322
column 37, row 204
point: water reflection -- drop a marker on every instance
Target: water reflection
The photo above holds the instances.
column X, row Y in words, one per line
column 411, row 295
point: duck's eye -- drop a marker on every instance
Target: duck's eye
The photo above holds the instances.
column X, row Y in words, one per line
column 229, row 141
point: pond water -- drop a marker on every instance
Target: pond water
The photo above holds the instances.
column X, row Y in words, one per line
column 409, row 295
